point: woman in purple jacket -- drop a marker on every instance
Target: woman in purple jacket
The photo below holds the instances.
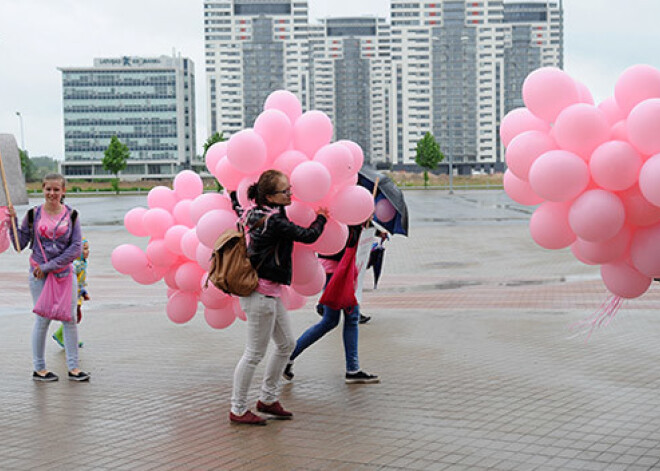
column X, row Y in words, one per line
column 52, row 231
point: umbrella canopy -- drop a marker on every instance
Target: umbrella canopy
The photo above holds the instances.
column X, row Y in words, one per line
column 376, row 262
column 387, row 189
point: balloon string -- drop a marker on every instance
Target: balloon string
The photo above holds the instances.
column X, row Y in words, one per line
column 599, row 319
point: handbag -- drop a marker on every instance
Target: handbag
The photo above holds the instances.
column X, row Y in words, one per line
column 56, row 298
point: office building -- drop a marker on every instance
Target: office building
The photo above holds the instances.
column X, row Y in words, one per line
column 147, row 102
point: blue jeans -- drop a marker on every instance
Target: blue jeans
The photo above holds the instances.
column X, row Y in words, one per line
column 330, row 321
column 40, row 330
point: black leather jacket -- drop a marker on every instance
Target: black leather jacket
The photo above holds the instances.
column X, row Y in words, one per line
column 271, row 242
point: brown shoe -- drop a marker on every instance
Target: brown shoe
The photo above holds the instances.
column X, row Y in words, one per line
column 275, row 409
column 248, row 419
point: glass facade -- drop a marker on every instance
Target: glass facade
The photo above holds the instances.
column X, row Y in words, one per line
column 147, row 103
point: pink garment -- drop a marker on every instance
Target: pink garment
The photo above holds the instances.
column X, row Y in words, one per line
column 329, row 265
column 53, row 226
column 269, row 288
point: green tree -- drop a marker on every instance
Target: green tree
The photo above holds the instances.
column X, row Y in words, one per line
column 27, row 166
column 115, row 159
column 216, row 137
column 428, row 155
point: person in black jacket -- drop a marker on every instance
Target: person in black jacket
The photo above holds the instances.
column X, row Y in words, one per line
column 271, row 238
column 330, row 320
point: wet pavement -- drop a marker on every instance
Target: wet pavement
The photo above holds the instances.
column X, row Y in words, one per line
column 469, row 335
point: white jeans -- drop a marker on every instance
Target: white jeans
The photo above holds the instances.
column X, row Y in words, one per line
column 266, row 318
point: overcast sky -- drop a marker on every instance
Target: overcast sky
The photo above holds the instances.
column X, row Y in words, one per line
column 602, row 38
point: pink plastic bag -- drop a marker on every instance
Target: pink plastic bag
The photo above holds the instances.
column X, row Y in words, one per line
column 56, row 298
column 4, row 232
column 340, row 291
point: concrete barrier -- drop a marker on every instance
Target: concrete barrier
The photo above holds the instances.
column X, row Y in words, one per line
column 12, row 163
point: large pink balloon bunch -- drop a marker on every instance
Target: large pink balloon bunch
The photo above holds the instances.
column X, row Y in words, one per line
column 594, row 170
column 183, row 223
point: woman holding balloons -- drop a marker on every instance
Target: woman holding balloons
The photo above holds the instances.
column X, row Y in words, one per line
column 271, row 236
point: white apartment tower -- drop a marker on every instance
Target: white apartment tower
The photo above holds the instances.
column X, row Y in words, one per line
column 253, row 47
column 350, row 80
column 450, row 64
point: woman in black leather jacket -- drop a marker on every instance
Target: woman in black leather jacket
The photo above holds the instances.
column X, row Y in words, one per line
column 271, row 238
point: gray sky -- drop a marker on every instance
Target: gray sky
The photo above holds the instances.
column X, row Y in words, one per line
column 602, row 38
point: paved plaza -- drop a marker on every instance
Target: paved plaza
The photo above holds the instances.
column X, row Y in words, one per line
column 470, row 335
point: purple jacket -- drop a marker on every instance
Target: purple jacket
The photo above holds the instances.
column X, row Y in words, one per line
column 61, row 251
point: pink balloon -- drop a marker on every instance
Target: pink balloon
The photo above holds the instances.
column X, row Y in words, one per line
column 352, row 205
column 227, row 175
column 597, row 215
column 289, row 160
column 636, row 84
column 189, row 243
column 310, row 181
column 547, row 91
column 519, row 190
column 577, row 254
column 159, row 255
column 286, row 102
column 214, row 154
column 188, row 185
column 356, row 152
column 558, row 175
column 161, row 197
column 188, row 277
column 645, row 251
column 208, row 202
column 275, row 129
column 304, row 264
column 203, row 257
column 312, row 131
column 384, row 211
column 649, row 180
column 242, row 190
column 620, row 131
column 181, row 213
column 219, row 318
column 639, row 212
column 580, row 129
column 337, row 159
column 181, row 307
column 291, row 299
column 524, row 149
column 611, row 110
column 148, row 275
column 173, row 238
column 333, row 238
column 301, row 214
column 128, row 258
column 607, row 251
column 214, row 223
column 133, row 222
column 313, row 286
column 238, row 311
column 623, row 280
column 549, row 226
column 643, row 126
column 518, row 121
column 213, row 297
column 246, row 151
column 169, row 279
column 584, row 95
column 157, row 221
column 615, row 165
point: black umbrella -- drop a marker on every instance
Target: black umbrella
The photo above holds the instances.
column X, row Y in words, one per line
column 376, row 262
column 367, row 177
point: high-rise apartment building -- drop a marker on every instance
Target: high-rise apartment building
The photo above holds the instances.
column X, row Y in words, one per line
column 147, row 102
column 450, row 67
column 253, row 47
column 350, row 80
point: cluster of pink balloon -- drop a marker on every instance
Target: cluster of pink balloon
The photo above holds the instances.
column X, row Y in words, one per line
column 184, row 223
column 594, row 170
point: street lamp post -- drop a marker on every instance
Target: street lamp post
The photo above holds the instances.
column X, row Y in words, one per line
column 20, row 118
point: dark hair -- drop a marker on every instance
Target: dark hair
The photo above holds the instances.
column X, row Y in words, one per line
column 54, row 176
column 267, row 185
